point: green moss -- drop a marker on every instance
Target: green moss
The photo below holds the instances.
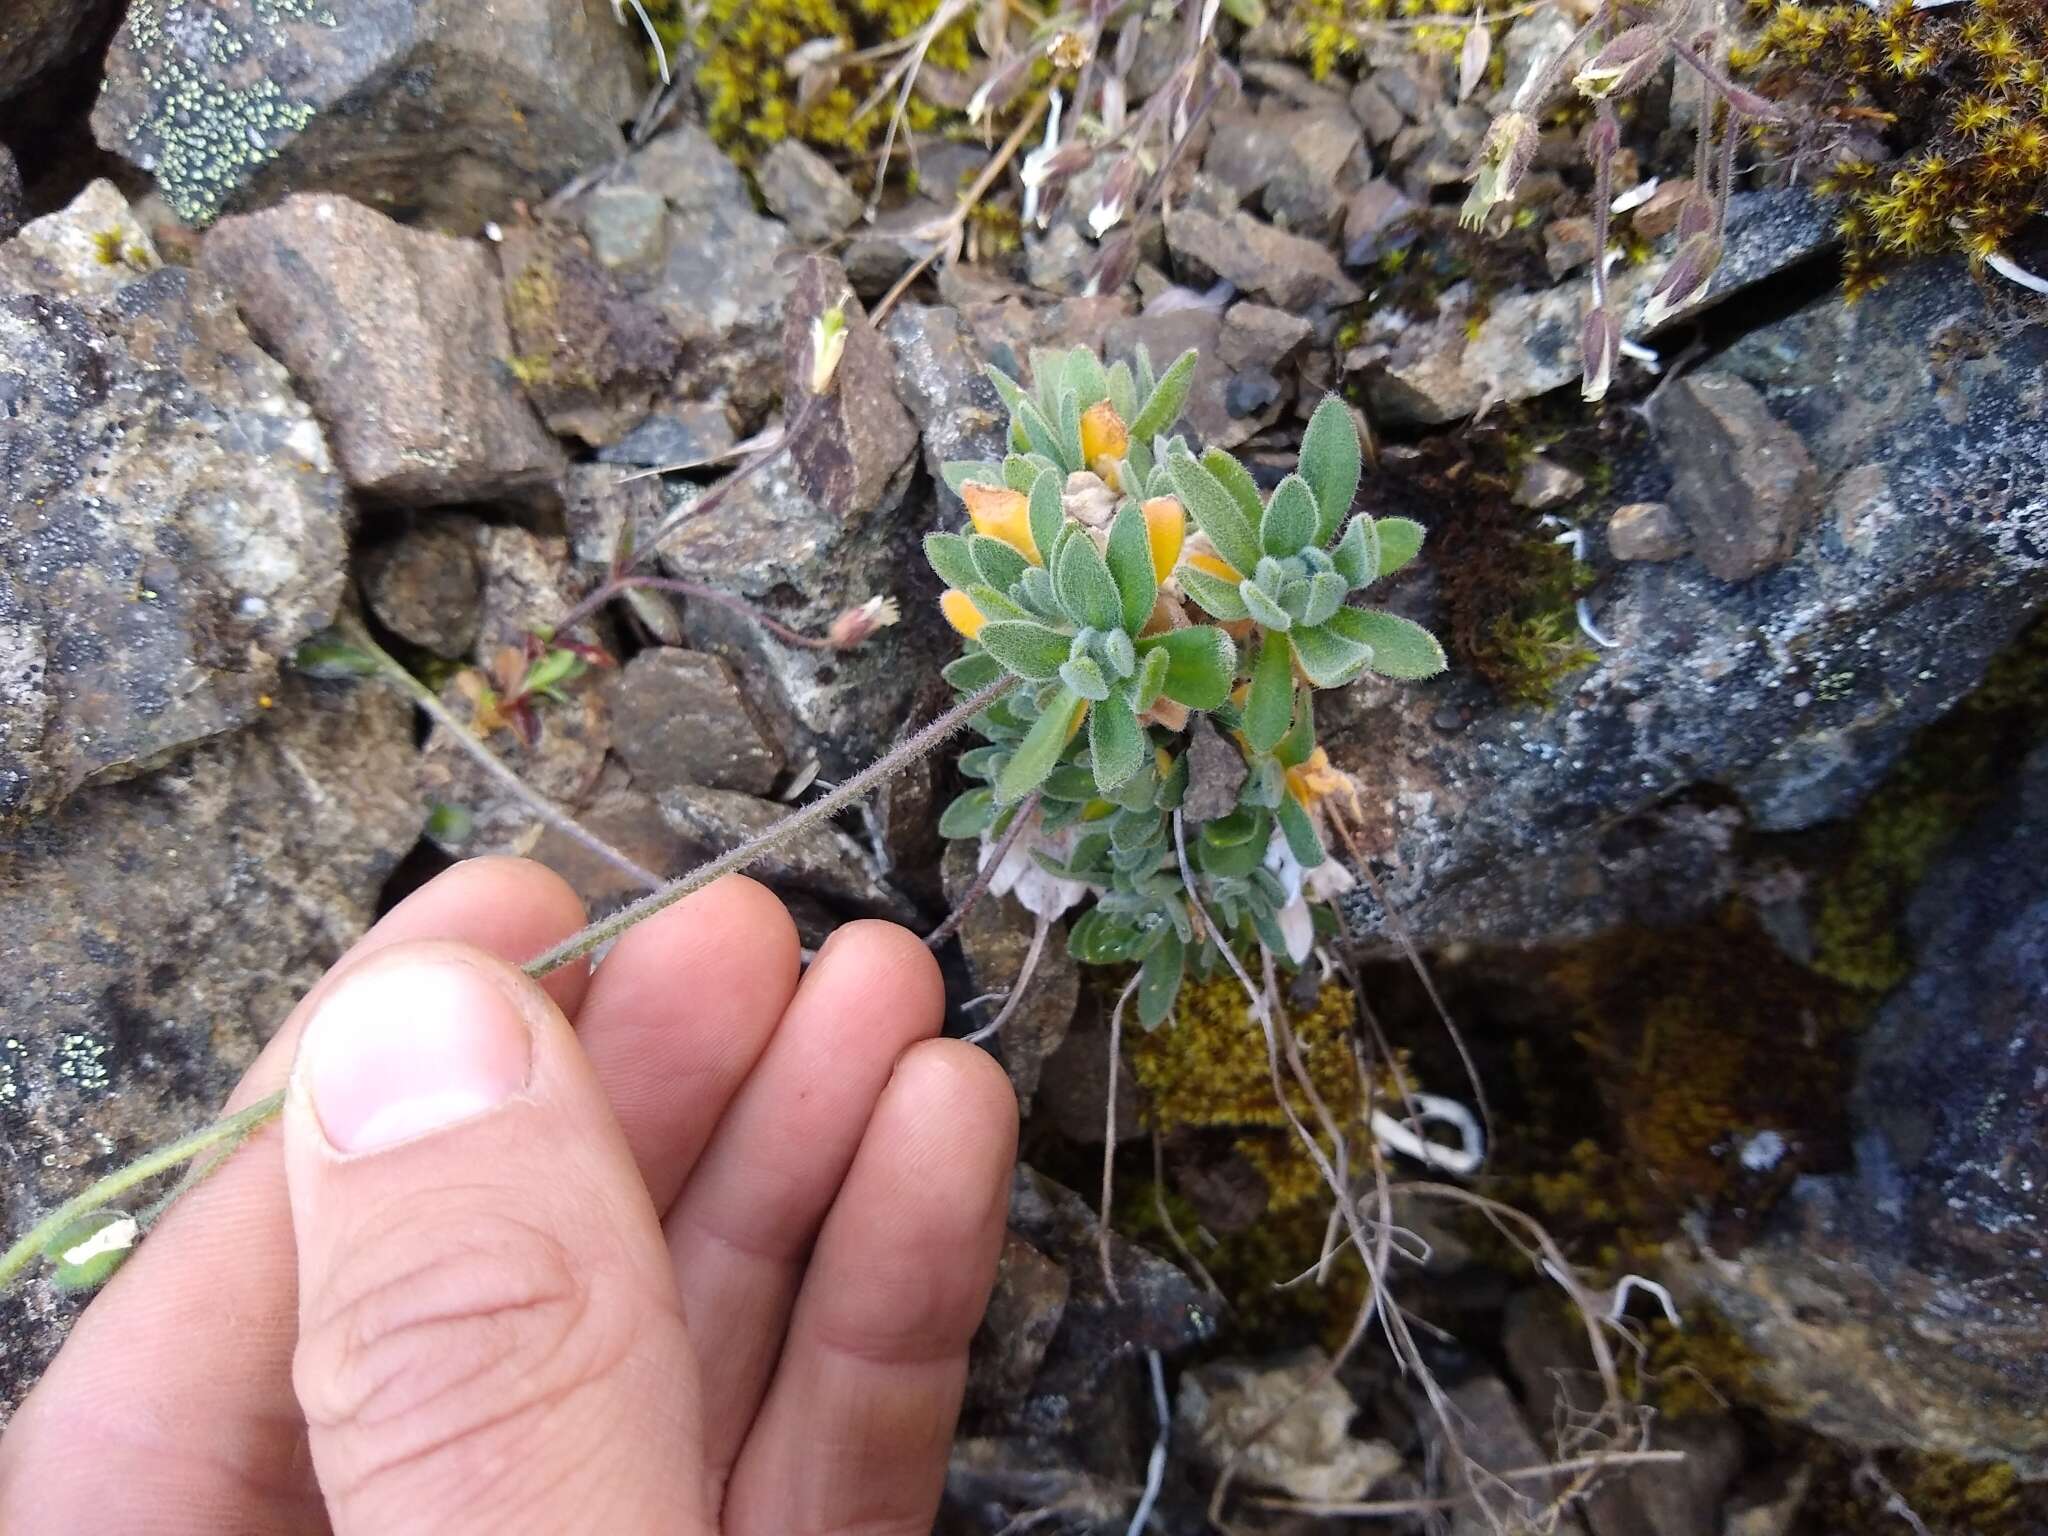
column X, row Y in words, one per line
column 1208, row 1068
column 1327, row 34
column 750, row 99
column 1954, row 768
column 1960, row 92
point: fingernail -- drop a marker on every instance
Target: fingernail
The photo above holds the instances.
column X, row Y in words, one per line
column 405, row 1048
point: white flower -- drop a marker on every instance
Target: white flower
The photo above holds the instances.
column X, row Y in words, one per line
column 1303, row 888
column 1039, row 891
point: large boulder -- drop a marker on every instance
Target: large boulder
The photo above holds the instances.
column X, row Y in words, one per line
column 398, row 338
column 158, row 931
column 174, row 528
column 1905, row 1303
column 435, row 111
column 1793, row 690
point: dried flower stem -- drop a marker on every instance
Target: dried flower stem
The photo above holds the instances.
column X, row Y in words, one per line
column 392, row 672
column 986, row 874
column 742, row 854
column 697, row 589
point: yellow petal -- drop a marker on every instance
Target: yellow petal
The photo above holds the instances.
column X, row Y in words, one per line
column 1166, row 529
column 961, row 613
column 1001, row 513
column 1103, row 436
column 1217, row 566
column 1075, row 729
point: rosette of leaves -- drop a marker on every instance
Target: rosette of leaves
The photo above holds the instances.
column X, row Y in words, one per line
column 1051, row 426
column 1280, row 563
column 1070, row 626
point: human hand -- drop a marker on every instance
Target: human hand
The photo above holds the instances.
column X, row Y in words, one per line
column 707, row 1260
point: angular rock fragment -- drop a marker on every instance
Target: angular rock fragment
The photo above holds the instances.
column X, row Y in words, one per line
column 175, row 527
column 425, row 586
column 1291, row 272
column 680, row 717
column 802, row 189
column 1742, row 480
column 853, row 443
column 398, row 338
column 435, row 111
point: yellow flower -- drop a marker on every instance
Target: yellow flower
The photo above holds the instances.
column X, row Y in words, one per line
column 1166, row 528
column 961, row 613
column 1314, row 779
column 1104, row 440
column 1001, row 513
column 1215, row 565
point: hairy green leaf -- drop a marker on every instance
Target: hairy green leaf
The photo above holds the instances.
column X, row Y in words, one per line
column 952, row 559
column 1045, row 513
column 1357, row 555
column 1123, row 391
column 1084, row 376
column 1262, row 607
column 1038, row 431
column 959, row 472
column 998, row 563
column 1216, row 597
column 1162, row 407
column 1289, row 522
column 1400, row 541
column 972, row 672
column 1270, row 708
column 1081, row 674
column 1329, row 657
column 1129, row 558
column 1326, row 591
column 1214, row 509
column 328, row 655
column 1300, row 832
column 1033, row 651
column 1400, row 647
column 1201, row 664
column 1116, row 744
column 1330, row 463
column 1300, row 741
column 969, row 814
column 1041, row 747
column 1084, row 587
column 1159, row 979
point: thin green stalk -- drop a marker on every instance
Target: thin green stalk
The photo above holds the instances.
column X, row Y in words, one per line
column 229, row 1131
column 742, row 854
column 394, row 673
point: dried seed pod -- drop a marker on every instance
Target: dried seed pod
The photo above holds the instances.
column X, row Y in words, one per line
column 1599, row 349
column 1625, row 65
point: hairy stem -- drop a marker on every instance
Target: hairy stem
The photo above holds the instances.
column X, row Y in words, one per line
column 985, row 875
column 549, row 812
column 222, row 1133
column 697, row 589
column 741, row 855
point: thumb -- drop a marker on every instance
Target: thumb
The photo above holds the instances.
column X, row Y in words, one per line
column 489, row 1336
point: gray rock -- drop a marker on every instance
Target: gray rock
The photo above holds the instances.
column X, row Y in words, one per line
column 1527, row 344
column 13, row 200
column 994, row 1481
column 1646, row 530
column 592, row 355
column 678, row 432
column 628, row 819
column 1376, row 111
column 1023, row 1314
column 802, row 189
column 397, row 336
column 1059, row 261
column 771, row 545
column 175, row 527
column 37, row 36
column 1216, row 773
column 1298, row 164
column 722, row 286
column 1165, row 335
column 1534, row 41
column 436, row 111
column 939, row 376
column 1742, row 480
column 1155, row 1305
column 1300, row 1415
column 1904, row 1303
column 882, row 250
column 599, row 502
column 424, row 585
column 680, row 717
column 996, row 938
column 1290, row 271
column 1541, row 484
column 161, row 929
column 855, row 443
column 1568, row 244
column 1373, row 210
column 627, row 228
column 1795, row 690
column 1073, row 1089
column 822, row 863
column 1493, row 1438
column 1260, row 336
column 528, row 585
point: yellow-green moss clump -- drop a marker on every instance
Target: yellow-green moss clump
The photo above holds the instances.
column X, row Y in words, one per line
column 743, row 49
column 1327, row 33
column 1954, row 768
column 1208, row 1067
column 1962, row 89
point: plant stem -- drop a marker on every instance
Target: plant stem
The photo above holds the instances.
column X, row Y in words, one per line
column 697, row 589
column 986, row 874
column 549, row 812
column 234, row 1128
column 742, row 854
